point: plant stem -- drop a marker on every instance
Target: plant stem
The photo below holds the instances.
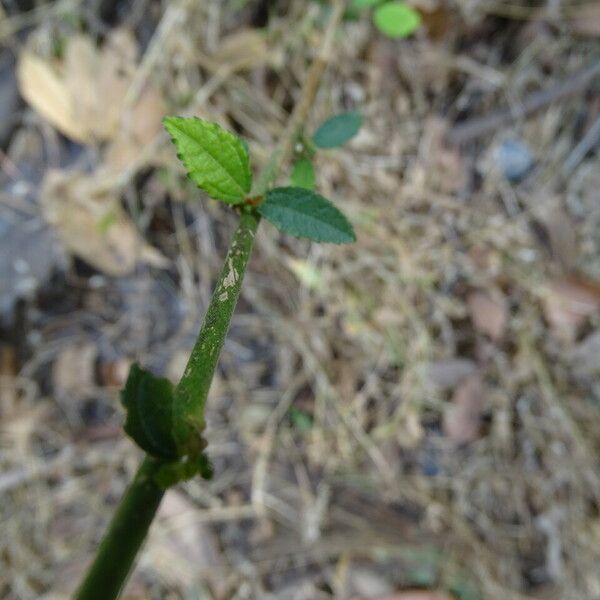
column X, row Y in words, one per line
column 108, row 573
column 129, row 527
column 193, row 388
column 195, row 383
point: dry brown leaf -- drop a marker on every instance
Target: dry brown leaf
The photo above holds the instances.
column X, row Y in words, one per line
column 113, row 373
column 438, row 19
column 42, row 86
column 246, row 49
column 84, row 96
column 462, row 418
column 562, row 236
column 90, row 222
column 116, row 68
column 448, row 373
column 489, row 315
column 8, row 381
column 80, row 72
column 98, row 80
column 568, row 302
column 586, row 20
column 139, row 127
column 73, row 373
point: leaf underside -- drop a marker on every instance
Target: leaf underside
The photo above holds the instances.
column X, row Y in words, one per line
column 306, row 214
column 337, row 130
column 215, row 159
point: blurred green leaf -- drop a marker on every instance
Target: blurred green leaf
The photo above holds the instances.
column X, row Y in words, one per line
column 300, row 419
column 338, row 130
column 396, row 19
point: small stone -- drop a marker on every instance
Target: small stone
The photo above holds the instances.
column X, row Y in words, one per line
column 514, row 159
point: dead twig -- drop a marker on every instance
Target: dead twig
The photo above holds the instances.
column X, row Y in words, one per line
column 480, row 126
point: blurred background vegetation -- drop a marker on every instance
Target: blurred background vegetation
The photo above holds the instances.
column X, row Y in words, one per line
column 412, row 417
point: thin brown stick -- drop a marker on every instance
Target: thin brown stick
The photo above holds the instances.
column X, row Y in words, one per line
column 480, row 126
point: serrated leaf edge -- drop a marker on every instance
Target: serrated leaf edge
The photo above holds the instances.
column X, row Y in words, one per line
column 299, row 235
column 241, row 153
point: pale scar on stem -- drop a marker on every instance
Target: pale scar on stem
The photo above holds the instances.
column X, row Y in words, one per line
column 231, row 277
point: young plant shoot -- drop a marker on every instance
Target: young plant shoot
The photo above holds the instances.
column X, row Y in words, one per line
column 166, row 420
column 332, row 133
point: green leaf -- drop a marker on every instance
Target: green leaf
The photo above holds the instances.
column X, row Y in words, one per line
column 149, row 402
column 150, row 422
column 216, row 160
column 303, row 174
column 338, row 130
column 300, row 419
column 306, row 214
column 396, row 19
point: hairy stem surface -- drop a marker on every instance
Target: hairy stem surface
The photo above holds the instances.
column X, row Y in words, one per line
column 192, row 391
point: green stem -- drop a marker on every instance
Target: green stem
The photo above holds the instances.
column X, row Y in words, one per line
column 192, row 390
column 195, row 383
column 129, row 527
column 127, row 531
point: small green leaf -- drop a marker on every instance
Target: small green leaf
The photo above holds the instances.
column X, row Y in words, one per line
column 216, row 160
column 396, row 19
column 303, row 174
column 149, row 402
column 300, row 419
column 306, row 214
column 338, row 130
